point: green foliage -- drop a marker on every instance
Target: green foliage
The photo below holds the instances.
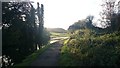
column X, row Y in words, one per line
column 65, row 57
column 82, row 24
column 110, row 19
column 21, row 33
column 88, row 49
column 45, row 37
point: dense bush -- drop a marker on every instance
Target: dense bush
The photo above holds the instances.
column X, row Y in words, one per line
column 90, row 50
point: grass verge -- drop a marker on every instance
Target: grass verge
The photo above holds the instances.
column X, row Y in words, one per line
column 66, row 58
column 29, row 59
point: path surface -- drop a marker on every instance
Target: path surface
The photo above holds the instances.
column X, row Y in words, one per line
column 49, row 57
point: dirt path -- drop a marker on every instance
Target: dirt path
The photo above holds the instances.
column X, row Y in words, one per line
column 49, row 57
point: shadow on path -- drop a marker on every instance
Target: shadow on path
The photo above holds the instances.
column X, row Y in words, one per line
column 49, row 57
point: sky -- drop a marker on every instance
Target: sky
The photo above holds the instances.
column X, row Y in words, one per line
column 63, row 13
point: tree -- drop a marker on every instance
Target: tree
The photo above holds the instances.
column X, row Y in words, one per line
column 16, row 30
column 109, row 15
column 118, row 15
column 20, row 31
column 40, row 14
column 89, row 22
column 82, row 24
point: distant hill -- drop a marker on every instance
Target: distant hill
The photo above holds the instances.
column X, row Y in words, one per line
column 58, row 30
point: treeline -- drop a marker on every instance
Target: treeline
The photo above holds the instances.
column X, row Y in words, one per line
column 22, row 31
column 89, row 45
column 109, row 21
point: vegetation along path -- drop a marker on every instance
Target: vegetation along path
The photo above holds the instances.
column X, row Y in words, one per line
column 49, row 57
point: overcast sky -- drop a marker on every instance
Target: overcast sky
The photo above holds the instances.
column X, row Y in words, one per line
column 63, row 13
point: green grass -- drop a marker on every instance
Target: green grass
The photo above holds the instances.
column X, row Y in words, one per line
column 53, row 34
column 66, row 58
column 29, row 59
